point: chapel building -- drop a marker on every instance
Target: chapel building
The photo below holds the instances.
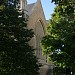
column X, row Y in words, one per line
column 36, row 21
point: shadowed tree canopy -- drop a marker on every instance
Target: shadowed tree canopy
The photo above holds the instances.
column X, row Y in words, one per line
column 59, row 42
column 16, row 55
column 63, row 2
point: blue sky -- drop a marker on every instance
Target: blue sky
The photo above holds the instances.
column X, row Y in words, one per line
column 48, row 7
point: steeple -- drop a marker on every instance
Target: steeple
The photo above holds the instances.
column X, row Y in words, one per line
column 38, row 1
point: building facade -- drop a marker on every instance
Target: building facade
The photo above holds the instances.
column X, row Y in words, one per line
column 37, row 22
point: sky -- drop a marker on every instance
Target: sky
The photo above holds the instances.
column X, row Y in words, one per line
column 48, row 7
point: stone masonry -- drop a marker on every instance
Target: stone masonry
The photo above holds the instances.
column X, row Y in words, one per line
column 37, row 22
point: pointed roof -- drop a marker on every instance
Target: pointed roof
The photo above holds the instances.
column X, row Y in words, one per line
column 30, row 7
column 38, row 0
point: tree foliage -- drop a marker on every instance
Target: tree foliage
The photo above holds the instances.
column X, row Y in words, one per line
column 63, row 2
column 59, row 42
column 16, row 55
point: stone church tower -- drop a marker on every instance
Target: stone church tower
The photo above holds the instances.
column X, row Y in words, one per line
column 37, row 22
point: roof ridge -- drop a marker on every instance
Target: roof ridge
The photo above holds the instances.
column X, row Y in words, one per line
column 30, row 7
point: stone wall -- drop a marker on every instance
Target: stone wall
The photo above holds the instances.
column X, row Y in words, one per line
column 37, row 22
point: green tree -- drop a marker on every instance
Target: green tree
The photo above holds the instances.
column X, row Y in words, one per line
column 63, row 2
column 59, row 42
column 16, row 55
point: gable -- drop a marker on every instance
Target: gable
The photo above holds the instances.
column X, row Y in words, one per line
column 30, row 7
column 36, row 14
